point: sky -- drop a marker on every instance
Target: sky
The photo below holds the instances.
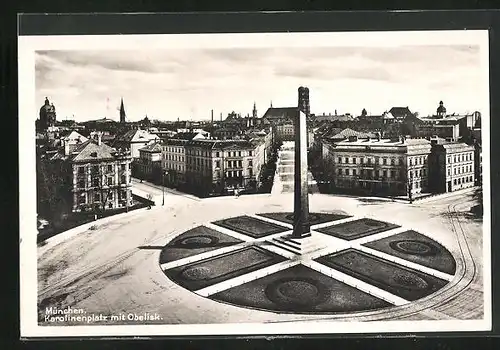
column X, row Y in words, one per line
column 189, row 83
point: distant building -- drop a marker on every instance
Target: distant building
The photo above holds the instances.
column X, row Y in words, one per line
column 134, row 140
column 450, row 131
column 149, row 163
column 400, row 113
column 451, row 166
column 47, row 115
column 173, row 161
column 123, row 115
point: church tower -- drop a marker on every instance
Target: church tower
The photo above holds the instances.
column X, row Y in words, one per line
column 47, row 115
column 441, row 110
column 122, row 112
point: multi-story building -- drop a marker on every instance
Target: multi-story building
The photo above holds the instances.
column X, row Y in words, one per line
column 451, row 166
column 89, row 177
column 378, row 166
column 216, row 166
column 148, row 164
column 173, row 162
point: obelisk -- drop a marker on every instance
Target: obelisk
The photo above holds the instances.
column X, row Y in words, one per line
column 301, row 225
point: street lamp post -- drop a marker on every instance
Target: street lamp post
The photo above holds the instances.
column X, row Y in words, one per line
column 410, row 187
column 163, row 173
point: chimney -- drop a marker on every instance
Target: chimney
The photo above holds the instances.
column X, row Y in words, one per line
column 99, row 138
column 221, row 116
column 66, row 148
column 212, row 113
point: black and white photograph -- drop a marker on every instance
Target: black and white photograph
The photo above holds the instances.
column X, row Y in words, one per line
column 254, row 183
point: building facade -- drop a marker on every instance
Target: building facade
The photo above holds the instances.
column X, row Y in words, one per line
column 100, row 177
column 173, row 162
column 378, row 166
column 452, row 166
column 148, row 164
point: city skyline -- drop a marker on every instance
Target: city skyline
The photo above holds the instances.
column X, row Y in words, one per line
column 189, row 83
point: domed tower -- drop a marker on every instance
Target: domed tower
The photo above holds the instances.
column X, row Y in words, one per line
column 47, row 115
column 304, row 100
column 441, row 110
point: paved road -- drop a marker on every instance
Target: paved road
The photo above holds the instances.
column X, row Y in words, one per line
column 116, row 268
column 172, row 197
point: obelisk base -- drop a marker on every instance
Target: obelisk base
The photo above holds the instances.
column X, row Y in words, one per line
column 300, row 246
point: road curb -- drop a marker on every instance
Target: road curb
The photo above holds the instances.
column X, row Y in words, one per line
column 65, row 235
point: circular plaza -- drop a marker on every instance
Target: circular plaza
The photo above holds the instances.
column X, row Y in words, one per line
column 226, row 260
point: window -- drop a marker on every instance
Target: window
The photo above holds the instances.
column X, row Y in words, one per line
column 97, row 197
column 239, row 153
column 250, row 153
column 384, row 173
column 217, row 154
column 81, row 199
column 354, row 172
column 110, row 181
column 340, row 171
column 347, row 171
column 95, row 169
column 81, row 184
column 454, row 171
column 250, row 162
column 124, row 166
column 110, row 196
column 250, row 172
column 347, row 160
column 411, row 161
column 81, row 170
column 362, row 160
column 95, row 182
column 240, row 163
column 393, row 161
column 423, row 172
column 454, row 181
column 124, row 179
column 369, row 160
column 400, row 161
column 217, row 164
column 384, row 161
column 340, row 160
column 354, row 161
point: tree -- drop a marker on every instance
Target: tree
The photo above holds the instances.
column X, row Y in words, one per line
column 54, row 184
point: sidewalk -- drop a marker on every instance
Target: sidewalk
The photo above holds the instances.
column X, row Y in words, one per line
column 136, row 183
column 439, row 196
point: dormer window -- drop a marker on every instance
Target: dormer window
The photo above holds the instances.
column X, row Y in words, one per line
column 93, row 154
